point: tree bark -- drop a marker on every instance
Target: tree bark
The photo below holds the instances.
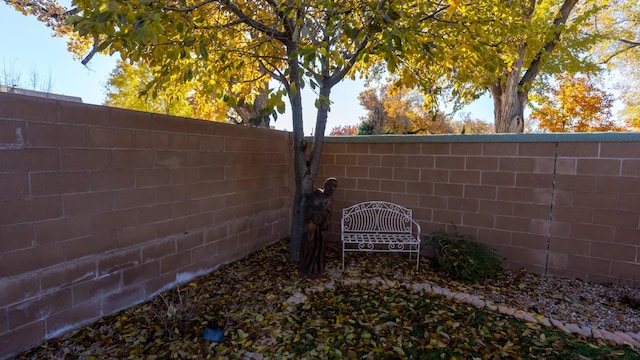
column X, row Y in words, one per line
column 508, row 109
column 303, row 187
column 509, row 99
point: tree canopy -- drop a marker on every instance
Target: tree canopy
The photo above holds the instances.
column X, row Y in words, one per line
column 345, row 130
column 619, row 51
column 454, row 50
column 127, row 85
column 392, row 110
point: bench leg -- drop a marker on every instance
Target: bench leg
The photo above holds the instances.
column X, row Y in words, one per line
column 417, row 257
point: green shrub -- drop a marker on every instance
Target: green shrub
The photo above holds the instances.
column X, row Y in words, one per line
column 464, row 258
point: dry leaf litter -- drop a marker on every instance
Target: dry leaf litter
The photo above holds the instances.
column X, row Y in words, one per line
column 611, row 307
column 251, row 300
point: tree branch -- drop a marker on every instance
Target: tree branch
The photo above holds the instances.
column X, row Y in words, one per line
column 190, row 8
column 257, row 25
column 339, row 75
column 534, row 67
column 94, row 50
column 630, row 46
column 237, row 11
column 435, row 13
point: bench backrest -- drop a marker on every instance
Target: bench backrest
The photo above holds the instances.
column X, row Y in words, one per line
column 376, row 217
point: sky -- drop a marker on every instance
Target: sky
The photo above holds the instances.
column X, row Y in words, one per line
column 27, row 47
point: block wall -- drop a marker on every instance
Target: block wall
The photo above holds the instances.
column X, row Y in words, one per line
column 564, row 204
column 102, row 208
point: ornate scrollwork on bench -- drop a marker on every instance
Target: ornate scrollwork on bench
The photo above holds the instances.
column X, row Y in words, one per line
column 379, row 226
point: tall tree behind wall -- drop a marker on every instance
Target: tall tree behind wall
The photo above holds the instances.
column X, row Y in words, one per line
column 619, row 26
column 501, row 47
column 467, row 125
column 127, row 88
column 127, row 82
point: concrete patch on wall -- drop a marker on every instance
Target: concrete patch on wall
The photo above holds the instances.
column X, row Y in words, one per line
column 16, row 143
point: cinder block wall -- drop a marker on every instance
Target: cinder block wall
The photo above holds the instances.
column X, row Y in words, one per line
column 561, row 204
column 102, row 208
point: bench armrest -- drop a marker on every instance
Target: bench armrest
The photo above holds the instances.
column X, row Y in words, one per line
column 417, row 226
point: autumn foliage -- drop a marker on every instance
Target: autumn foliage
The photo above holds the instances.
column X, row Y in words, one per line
column 574, row 104
column 344, row 130
column 392, row 110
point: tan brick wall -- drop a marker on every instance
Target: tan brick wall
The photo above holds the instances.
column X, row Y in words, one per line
column 563, row 204
column 102, row 208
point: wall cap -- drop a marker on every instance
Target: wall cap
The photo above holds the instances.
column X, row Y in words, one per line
column 487, row 138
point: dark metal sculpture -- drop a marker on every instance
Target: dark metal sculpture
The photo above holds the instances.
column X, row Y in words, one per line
column 319, row 211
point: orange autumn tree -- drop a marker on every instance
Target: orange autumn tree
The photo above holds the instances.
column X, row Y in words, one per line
column 399, row 110
column 344, row 130
column 468, row 125
column 573, row 104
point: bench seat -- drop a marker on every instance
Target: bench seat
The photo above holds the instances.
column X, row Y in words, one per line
column 379, row 226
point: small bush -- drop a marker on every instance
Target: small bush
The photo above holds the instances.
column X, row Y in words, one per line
column 633, row 300
column 177, row 311
column 464, row 258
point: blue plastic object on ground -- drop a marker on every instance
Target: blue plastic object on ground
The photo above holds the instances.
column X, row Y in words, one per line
column 212, row 333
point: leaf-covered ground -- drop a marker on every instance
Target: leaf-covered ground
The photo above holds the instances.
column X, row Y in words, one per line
column 251, row 301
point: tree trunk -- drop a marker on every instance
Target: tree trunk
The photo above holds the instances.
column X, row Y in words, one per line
column 305, row 166
column 303, row 187
column 253, row 114
column 508, row 108
column 509, row 99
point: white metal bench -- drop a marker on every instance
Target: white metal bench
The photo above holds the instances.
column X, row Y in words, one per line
column 379, row 226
